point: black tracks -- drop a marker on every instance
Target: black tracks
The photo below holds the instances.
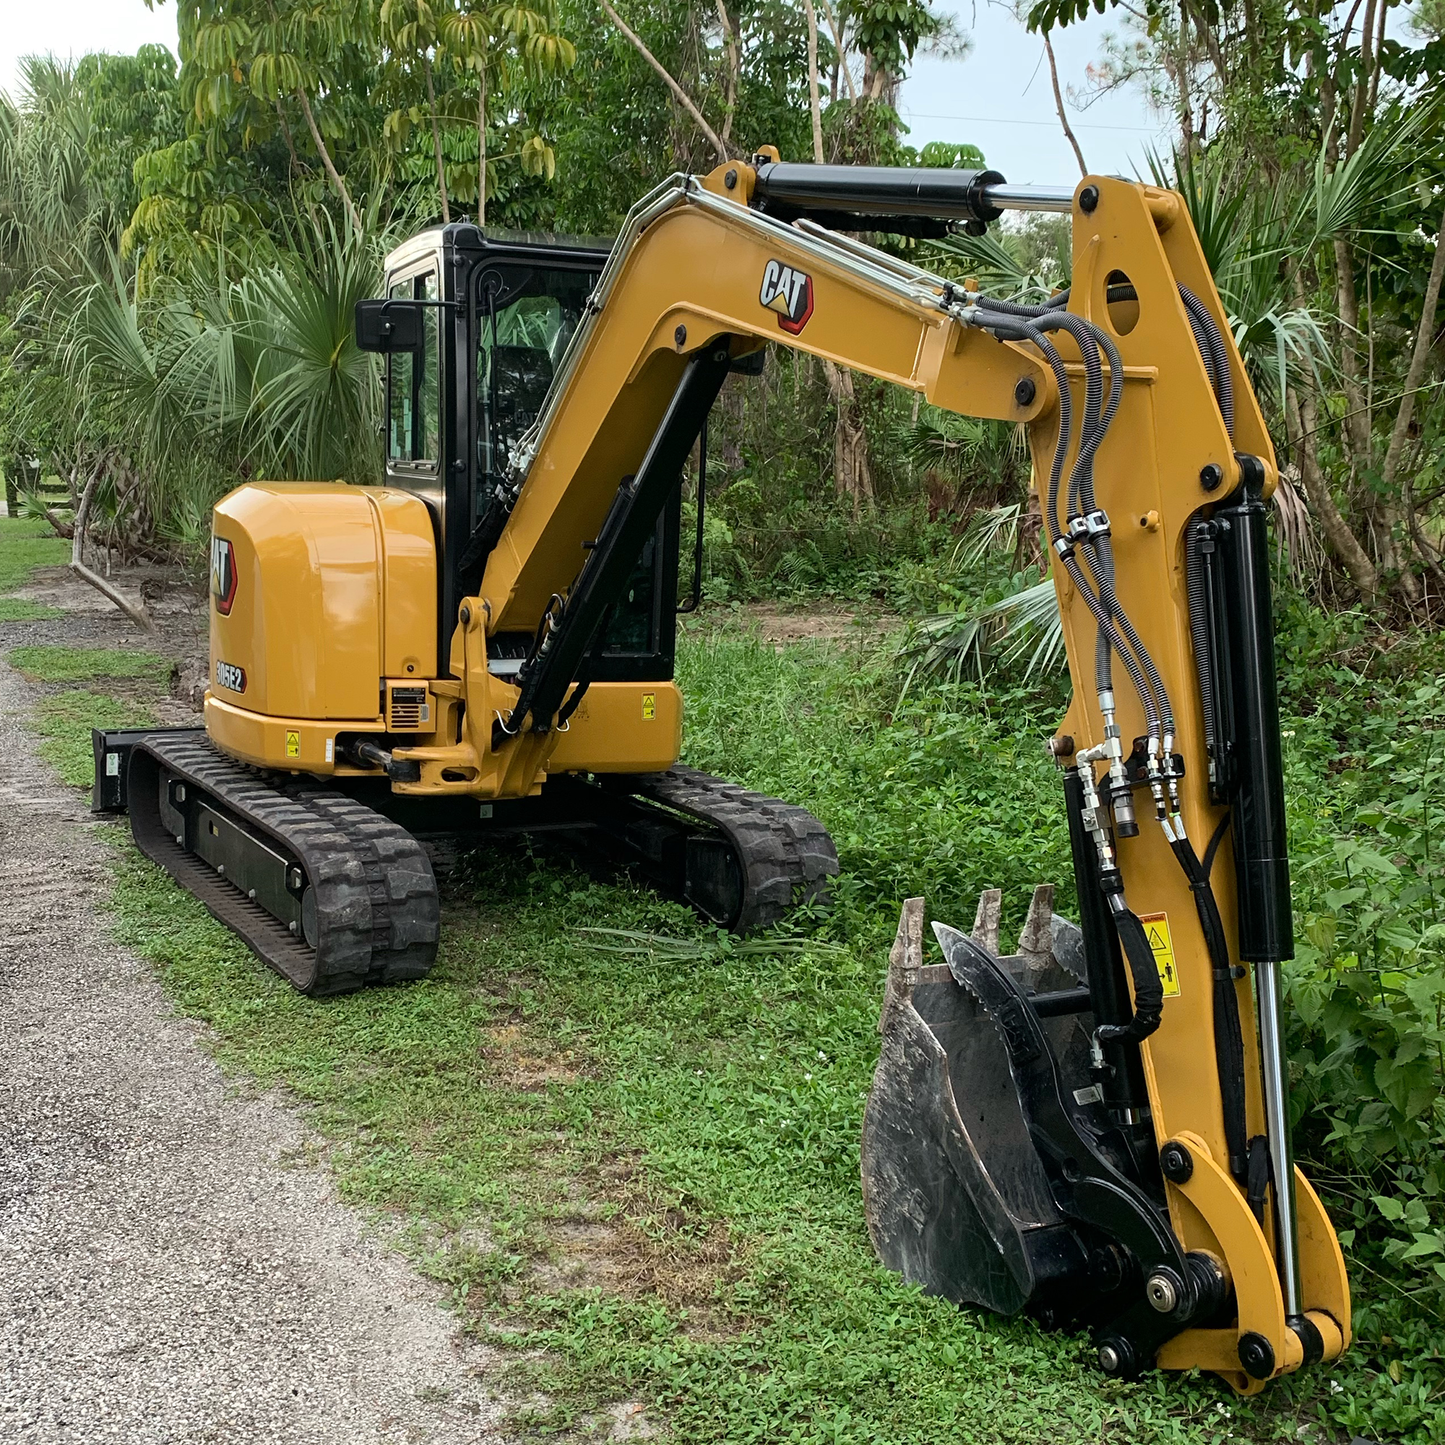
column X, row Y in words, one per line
column 360, row 906
column 784, row 854
column 376, row 913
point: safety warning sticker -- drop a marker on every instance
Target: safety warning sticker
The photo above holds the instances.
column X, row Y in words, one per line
column 293, row 745
column 649, row 706
column 1156, row 930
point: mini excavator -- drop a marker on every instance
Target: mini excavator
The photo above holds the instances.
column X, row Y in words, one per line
column 1094, row 1129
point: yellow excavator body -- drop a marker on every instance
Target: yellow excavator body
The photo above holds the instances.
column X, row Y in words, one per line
column 323, row 627
column 1093, row 1129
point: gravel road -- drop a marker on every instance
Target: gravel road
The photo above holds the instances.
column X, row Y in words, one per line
column 168, row 1272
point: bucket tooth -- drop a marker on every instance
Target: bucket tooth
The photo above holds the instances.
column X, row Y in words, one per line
column 1036, row 939
column 955, row 1195
column 986, row 919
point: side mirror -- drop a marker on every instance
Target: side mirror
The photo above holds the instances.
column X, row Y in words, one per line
column 389, row 325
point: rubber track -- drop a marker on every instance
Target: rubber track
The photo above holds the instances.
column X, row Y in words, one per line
column 787, row 855
column 377, row 912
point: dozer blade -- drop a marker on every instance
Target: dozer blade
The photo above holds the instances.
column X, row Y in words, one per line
column 956, row 1196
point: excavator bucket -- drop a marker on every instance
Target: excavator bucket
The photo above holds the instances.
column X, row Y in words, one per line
column 956, row 1195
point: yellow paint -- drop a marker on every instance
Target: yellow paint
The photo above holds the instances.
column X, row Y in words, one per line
column 1156, row 930
column 336, row 587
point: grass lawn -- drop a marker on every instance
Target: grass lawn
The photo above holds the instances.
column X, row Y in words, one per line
column 122, row 687
column 641, row 1170
column 24, row 546
column 638, row 1171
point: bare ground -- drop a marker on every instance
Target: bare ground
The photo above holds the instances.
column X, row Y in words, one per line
column 780, row 624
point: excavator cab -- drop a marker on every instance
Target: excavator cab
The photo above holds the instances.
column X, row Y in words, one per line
column 473, row 328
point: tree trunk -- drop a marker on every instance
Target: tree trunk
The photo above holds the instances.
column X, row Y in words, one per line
column 332, row 173
column 295, row 176
column 1302, row 423
column 814, row 105
column 1357, row 424
column 852, row 472
column 137, row 614
column 852, row 469
column 842, row 54
column 1362, row 81
column 1419, row 359
column 436, row 141
column 683, row 98
column 735, row 70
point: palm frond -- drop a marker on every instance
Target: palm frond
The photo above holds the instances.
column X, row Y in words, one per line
column 1023, row 628
column 705, row 948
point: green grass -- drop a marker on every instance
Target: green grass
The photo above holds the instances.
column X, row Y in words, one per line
column 638, row 1174
column 24, row 546
column 698, row 1121
column 64, row 721
column 12, row 609
column 78, row 664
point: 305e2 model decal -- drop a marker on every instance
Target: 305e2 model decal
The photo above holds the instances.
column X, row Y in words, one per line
column 230, row 677
column 789, row 293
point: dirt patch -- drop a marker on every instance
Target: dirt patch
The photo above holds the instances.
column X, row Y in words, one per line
column 161, row 592
column 780, row 625
column 627, row 1240
column 517, row 1061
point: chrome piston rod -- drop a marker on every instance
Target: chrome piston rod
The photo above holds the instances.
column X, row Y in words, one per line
column 1030, row 198
column 1276, row 1121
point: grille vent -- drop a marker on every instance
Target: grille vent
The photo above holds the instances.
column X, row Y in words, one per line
column 410, row 710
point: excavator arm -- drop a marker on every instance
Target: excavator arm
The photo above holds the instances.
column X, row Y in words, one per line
column 1094, row 1129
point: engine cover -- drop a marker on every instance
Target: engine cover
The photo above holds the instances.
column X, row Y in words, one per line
column 319, row 591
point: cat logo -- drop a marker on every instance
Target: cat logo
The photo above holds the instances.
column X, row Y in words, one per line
column 223, row 575
column 789, row 293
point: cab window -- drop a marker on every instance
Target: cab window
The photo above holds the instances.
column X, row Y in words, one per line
column 414, row 383
column 525, row 317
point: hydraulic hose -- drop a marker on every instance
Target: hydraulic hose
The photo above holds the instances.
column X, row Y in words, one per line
column 1215, row 353
column 1027, row 330
column 1228, row 1034
column 1148, row 986
column 1098, row 549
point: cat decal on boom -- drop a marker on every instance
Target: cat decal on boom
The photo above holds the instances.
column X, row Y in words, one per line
column 789, row 292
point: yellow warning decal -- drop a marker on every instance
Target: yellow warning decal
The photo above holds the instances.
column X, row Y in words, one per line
column 293, row 745
column 1156, row 930
column 649, row 706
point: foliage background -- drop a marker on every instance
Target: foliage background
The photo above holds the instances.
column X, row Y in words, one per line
column 181, row 248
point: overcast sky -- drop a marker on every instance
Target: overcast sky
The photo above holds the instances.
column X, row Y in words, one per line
column 999, row 97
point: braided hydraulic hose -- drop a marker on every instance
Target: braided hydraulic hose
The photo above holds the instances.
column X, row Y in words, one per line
column 1022, row 328
column 1214, row 352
